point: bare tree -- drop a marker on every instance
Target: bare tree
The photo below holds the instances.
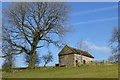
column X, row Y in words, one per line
column 47, row 58
column 115, row 40
column 82, row 46
column 7, row 53
column 33, row 25
column 114, row 58
column 8, row 56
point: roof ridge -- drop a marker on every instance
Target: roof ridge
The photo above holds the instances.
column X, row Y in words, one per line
column 70, row 48
column 79, row 51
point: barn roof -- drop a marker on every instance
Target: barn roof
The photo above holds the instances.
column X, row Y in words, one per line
column 71, row 50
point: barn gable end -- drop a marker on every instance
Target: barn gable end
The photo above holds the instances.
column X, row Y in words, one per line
column 66, row 50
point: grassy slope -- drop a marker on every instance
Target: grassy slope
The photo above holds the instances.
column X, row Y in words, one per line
column 104, row 71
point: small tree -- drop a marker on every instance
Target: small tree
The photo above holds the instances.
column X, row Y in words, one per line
column 81, row 44
column 47, row 58
column 9, row 58
column 115, row 40
column 7, row 66
column 114, row 58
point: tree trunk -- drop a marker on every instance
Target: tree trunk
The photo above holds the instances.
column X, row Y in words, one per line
column 32, row 60
column 33, row 52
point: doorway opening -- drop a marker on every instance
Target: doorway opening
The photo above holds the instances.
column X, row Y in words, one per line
column 76, row 62
column 83, row 61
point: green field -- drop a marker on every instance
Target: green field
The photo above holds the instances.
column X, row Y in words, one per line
column 99, row 71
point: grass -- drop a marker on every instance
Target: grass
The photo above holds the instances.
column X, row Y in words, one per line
column 99, row 71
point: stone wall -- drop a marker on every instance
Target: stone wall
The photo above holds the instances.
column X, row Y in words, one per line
column 80, row 59
column 87, row 59
column 70, row 60
column 67, row 60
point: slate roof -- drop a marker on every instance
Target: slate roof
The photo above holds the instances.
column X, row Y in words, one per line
column 74, row 51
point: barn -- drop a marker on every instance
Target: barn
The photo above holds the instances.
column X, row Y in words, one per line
column 69, row 56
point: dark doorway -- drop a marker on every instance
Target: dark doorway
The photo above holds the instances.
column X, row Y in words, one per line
column 76, row 62
column 83, row 61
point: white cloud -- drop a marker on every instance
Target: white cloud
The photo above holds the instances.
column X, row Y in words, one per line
column 94, row 10
column 92, row 46
column 93, row 21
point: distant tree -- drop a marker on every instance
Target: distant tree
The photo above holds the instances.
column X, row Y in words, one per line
column 8, row 56
column 47, row 58
column 7, row 53
column 114, row 58
column 32, row 25
column 81, row 44
column 115, row 40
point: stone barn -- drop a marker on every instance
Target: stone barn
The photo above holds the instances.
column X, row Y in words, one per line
column 69, row 56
